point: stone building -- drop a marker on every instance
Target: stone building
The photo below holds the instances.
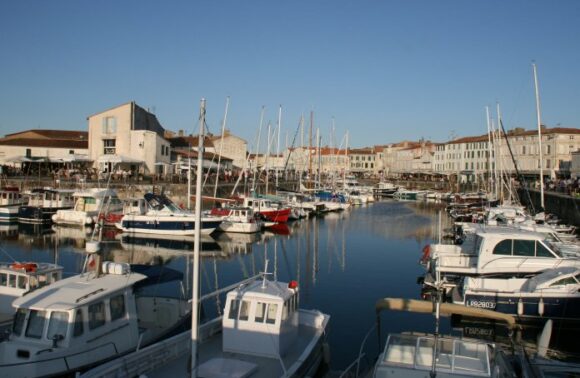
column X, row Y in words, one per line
column 130, row 138
column 472, row 159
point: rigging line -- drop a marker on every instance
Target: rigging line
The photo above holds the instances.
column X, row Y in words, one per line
column 293, row 141
column 7, row 254
column 520, row 177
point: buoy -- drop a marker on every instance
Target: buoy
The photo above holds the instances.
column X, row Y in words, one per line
column 520, row 307
column 541, row 307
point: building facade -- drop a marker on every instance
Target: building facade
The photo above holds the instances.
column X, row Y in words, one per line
column 128, row 137
column 47, row 145
column 472, row 159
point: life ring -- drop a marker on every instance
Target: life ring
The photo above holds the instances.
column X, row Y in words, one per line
column 28, row 267
column 426, row 253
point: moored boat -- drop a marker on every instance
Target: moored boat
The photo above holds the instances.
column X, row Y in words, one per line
column 263, row 333
column 10, row 200
column 88, row 205
column 43, row 203
column 166, row 218
column 553, row 294
column 20, row 278
column 86, row 319
column 241, row 220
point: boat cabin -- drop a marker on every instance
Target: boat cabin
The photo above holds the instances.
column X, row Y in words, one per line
column 135, row 206
column 92, row 200
column 261, row 319
column 567, row 278
column 17, row 279
column 50, row 198
column 9, row 197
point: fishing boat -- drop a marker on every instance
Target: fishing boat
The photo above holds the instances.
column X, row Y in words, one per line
column 241, row 220
column 20, row 278
column 10, row 200
column 43, row 203
column 552, row 294
column 263, row 333
column 164, row 217
column 84, row 320
column 88, row 205
column 385, row 189
column 405, row 194
column 268, row 210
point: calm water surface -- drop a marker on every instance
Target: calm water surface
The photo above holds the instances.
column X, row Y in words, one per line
column 344, row 262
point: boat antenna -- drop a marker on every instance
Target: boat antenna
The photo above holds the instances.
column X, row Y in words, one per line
column 265, row 273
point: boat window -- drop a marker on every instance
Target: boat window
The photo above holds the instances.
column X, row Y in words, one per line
column 524, row 248
column 3, row 279
column 244, row 311
column 96, row 315
column 12, row 280
column 260, row 312
column 504, row 247
column 272, row 312
column 57, row 325
column 117, row 307
column 79, row 327
column 564, row 281
column 542, row 251
column 234, row 305
column 90, row 200
column 22, row 281
column 18, row 324
column 35, row 324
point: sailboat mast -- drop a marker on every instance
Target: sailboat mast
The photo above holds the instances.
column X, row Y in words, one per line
column 257, row 149
column 310, row 148
column 489, row 154
column 539, row 119
column 197, row 241
column 217, row 178
column 278, row 143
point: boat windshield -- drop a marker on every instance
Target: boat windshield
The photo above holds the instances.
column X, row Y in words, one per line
column 453, row 355
column 552, row 246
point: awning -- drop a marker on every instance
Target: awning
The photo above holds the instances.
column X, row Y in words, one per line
column 119, row 159
column 23, row 159
column 75, row 158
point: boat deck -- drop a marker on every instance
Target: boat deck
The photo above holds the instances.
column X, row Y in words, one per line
column 228, row 364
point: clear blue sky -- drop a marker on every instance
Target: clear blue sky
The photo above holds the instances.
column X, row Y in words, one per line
column 385, row 70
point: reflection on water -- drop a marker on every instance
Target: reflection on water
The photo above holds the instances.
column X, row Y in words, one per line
column 344, row 262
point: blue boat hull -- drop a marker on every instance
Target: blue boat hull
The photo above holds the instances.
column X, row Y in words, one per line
column 168, row 227
column 36, row 214
column 558, row 308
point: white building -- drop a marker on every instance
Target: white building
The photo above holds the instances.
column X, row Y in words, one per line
column 130, row 138
column 46, row 145
column 472, row 158
column 231, row 147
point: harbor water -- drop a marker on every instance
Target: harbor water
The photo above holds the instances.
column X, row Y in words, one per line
column 343, row 262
